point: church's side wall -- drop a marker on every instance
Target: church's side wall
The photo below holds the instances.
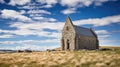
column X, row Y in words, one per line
column 97, row 43
column 81, row 42
column 87, row 42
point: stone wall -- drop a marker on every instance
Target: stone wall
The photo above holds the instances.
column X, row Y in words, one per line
column 86, row 42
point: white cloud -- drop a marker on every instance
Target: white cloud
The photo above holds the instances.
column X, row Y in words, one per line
column 55, row 35
column 6, row 36
column 33, row 5
column 38, row 25
column 18, row 2
column 99, row 21
column 52, row 19
column 99, row 2
column 47, row 1
column 46, row 6
column 103, row 36
column 102, row 32
column 38, row 11
column 26, row 32
column 12, row 14
column 22, row 11
column 116, row 31
column 31, row 44
column 109, row 42
column 35, row 47
column 35, row 15
column 44, row 19
column 38, row 18
column 27, row 7
column 69, row 11
column 2, row 1
column 82, row 3
column 27, row 29
column 74, row 3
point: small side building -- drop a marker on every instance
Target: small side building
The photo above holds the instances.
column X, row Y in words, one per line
column 76, row 37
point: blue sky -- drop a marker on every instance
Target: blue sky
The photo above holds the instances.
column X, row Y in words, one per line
column 37, row 24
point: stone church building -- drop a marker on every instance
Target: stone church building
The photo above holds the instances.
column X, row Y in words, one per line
column 76, row 37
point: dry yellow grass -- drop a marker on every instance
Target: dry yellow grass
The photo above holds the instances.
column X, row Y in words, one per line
column 82, row 58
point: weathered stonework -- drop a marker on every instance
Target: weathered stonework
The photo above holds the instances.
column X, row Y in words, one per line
column 75, row 38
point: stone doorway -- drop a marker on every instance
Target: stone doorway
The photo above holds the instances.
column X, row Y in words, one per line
column 68, row 44
column 63, row 45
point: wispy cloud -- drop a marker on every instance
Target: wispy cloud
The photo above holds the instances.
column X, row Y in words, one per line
column 35, row 47
column 31, row 44
column 99, row 21
column 80, row 3
column 38, row 25
column 6, row 36
column 18, row 2
column 109, row 42
column 43, row 19
column 69, row 11
column 116, row 31
column 2, row 1
column 12, row 14
column 102, row 32
column 103, row 36
column 27, row 29
column 38, row 11
column 49, row 2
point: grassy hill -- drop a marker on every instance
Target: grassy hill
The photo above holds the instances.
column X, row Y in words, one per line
column 105, row 57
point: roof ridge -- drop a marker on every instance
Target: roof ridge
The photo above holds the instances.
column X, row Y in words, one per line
column 81, row 27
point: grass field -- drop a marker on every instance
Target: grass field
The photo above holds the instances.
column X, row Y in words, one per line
column 106, row 57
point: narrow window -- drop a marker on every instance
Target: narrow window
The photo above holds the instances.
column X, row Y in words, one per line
column 63, row 46
column 67, row 28
column 68, row 44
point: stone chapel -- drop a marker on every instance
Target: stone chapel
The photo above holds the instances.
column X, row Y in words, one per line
column 77, row 37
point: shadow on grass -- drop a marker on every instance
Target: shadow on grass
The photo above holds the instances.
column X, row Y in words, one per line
column 106, row 49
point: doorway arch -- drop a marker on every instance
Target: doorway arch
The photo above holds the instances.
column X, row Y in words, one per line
column 68, row 44
column 63, row 44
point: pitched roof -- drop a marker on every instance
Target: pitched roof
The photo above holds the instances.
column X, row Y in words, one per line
column 83, row 31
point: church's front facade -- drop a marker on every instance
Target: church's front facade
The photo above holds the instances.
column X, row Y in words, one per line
column 76, row 37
